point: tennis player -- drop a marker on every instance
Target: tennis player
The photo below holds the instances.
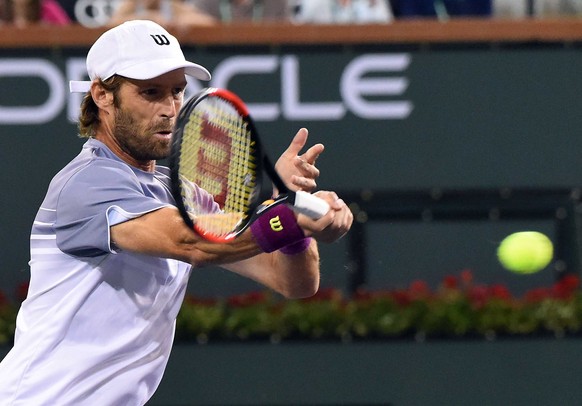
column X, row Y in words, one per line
column 110, row 254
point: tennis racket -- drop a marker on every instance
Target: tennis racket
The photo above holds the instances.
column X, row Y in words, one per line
column 216, row 147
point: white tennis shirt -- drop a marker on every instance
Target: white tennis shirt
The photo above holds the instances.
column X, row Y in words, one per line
column 97, row 325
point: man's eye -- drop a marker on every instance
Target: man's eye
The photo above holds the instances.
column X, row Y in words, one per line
column 178, row 91
column 150, row 92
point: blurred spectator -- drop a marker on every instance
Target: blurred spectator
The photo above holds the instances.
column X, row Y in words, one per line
column 245, row 10
column 557, row 8
column 512, row 9
column 92, row 13
column 53, row 13
column 443, row 9
column 69, row 7
column 344, row 11
column 26, row 12
column 4, row 11
column 164, row 12
column 537, row 8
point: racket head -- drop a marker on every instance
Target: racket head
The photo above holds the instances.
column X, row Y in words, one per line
column 215, row 147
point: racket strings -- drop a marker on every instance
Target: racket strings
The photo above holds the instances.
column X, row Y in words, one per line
column 217, row 153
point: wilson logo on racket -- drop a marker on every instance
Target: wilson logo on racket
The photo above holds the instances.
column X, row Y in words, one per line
column 216, row 149
column 275, row 223
column 160, row 39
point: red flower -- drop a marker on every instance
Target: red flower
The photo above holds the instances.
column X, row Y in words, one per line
column 200, row 301
column 450, row 282
column 537, row 295
column 419, row 290
column 466, row 277
column 247, row 299
column 402, row 297
column 326, row 294
column 566, row 287
column 572, row 281
column 499, row 292
column 362, row 295
column 478, row 295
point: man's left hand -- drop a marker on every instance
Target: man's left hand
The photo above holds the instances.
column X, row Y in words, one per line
column 299, row 171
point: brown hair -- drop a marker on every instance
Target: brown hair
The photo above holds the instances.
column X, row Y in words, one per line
column 89, row 116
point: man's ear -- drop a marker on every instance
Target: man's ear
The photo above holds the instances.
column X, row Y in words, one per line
column 102, row 98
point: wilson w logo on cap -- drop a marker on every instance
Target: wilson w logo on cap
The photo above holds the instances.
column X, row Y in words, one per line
column 160, row 39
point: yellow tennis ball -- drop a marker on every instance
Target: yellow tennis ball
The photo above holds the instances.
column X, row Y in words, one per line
column 525, row 252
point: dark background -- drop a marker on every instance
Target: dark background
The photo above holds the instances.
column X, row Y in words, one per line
column 484, row 117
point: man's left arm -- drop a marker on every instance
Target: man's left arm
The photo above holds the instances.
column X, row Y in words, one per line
column 295, row 273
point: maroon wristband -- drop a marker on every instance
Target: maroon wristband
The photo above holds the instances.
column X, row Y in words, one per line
column 297, row 247
column 277, row 228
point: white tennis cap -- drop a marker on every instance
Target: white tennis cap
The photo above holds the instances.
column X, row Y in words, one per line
column 137, row 49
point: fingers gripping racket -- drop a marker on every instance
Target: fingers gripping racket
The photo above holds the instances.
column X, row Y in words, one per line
column 217, row 148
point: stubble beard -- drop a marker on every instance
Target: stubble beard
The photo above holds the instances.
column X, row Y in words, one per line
column 140, row 141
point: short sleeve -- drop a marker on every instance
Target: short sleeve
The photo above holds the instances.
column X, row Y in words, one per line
column 97, row 197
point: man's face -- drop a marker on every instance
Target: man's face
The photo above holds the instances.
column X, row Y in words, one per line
column 146, row 115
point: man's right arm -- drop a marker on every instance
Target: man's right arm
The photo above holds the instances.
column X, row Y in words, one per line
column 163, row 233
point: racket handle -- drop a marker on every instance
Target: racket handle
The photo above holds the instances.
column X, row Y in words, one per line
column 310, row 205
